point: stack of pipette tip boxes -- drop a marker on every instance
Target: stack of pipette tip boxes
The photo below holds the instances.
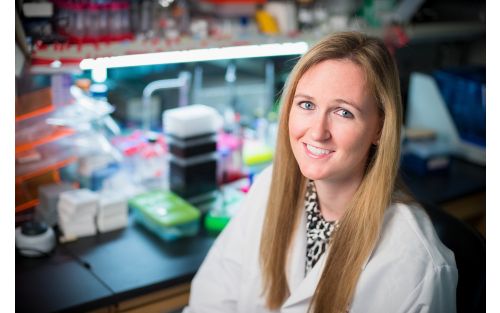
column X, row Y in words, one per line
column 112, row 213
column 191, row 135
column 76, row 213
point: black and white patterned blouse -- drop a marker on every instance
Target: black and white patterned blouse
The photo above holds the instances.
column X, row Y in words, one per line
column 319, row 230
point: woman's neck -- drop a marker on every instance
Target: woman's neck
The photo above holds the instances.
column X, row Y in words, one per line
column 334, row 196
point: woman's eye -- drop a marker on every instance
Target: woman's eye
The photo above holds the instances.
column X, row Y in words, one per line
column 306, row 105
column 345, row 113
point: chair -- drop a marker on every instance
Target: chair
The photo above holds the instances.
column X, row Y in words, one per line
column 470, row 255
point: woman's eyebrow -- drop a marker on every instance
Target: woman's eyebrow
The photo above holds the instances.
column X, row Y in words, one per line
column 301, row 95
column 337, row 101
column 350, row 103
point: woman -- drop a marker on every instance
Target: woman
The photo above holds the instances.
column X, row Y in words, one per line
column 325, row 229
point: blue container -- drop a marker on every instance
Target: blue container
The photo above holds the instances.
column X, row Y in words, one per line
column 464, row 91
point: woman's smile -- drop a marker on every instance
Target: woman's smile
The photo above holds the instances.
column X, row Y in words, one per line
column 316, row 152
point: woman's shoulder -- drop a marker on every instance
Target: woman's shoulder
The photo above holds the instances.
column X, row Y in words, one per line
column 410, row 263
column 407, row 226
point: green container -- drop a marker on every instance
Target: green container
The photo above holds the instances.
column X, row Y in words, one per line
column 165, row 214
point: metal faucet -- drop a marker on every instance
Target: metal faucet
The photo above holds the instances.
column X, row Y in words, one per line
column 182, row 83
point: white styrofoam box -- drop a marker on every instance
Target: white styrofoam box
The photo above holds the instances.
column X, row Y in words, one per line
column 117, row 209
column 111, row 203
column 191, row 120
column 109, row 223
column 79, row 229
column 79, row 197
column 85, row 217
column 79, row 201
column 72, row 212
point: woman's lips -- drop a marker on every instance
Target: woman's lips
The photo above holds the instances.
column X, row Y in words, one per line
column 317, row 153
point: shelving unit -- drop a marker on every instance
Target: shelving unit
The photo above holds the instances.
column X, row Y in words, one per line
column 58, row 133
column 41, row 145
column 67, row 57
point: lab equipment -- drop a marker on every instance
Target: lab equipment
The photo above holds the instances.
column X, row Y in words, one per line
column 35, row 239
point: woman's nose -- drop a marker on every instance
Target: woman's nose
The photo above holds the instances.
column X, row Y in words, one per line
column 320, row 128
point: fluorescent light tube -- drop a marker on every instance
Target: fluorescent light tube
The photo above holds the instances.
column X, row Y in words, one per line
column 185, row 56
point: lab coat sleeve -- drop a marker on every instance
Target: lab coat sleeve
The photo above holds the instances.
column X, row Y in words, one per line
column 436, row 292
column 216, row 286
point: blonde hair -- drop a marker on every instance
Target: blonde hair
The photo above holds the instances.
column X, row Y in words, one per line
column 353, row 242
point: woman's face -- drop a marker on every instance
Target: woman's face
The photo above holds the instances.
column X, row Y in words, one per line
column 333, row 121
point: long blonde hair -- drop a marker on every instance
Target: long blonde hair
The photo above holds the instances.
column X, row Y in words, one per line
column 353, row 242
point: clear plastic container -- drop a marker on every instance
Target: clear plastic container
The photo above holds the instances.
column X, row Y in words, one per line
column 125, row 18
column 115, row 19
column 103, row 20
column 92, row 19
column 63, row 17
column 77, row 26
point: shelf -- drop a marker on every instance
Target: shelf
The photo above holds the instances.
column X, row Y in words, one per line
column 27, row 205
column 70, row 55
column 48, row 167
column 53, row 156
column 35, row 113
column 33, row 104
column 27, row 191
column 58, row 133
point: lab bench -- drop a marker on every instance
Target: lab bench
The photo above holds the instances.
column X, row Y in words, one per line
column 131, row 270
column 460, row 191
column 124, row 270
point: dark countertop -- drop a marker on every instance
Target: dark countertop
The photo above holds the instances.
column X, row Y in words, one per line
column 56, row 284
column 105, row 269
column 462, row 179
column 134, row 261
column 109, row 268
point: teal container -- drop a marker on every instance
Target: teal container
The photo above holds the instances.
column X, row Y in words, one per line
column 165, row 214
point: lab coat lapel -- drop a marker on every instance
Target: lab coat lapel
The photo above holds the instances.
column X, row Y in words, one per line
column 297, row 264
column 302, row 287
column 306, row 288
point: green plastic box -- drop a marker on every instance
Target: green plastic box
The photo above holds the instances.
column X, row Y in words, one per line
column 165, row 214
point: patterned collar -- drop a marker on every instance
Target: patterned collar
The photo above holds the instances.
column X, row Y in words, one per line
column 319, row 230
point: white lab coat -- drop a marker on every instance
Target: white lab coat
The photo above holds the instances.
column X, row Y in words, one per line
column 409, row 270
